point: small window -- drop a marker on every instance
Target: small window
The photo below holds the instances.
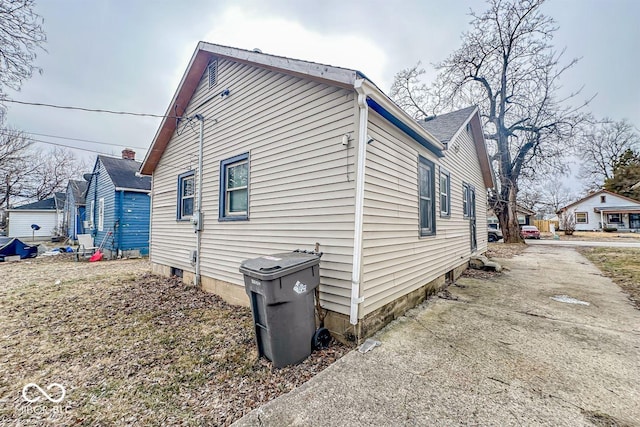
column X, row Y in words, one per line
column 212, row 71
column 186, row 191
column 445, row 193
column 468, row 200
column 427, row 191
column 614, row 218
column 582, row 218
column 92, row 214
column 234, row 188
column 101, row 214
column 603, row 199
column 465, row 200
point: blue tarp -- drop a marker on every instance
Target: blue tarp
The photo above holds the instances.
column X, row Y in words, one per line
column 11, row 246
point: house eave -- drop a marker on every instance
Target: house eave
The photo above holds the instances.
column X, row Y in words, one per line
column 133, row 190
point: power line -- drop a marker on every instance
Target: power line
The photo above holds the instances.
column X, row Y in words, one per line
column 75, row 148
column 9, row 132
column 91, row 110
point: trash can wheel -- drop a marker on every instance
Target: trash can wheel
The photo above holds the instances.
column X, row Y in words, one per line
column 321, row 338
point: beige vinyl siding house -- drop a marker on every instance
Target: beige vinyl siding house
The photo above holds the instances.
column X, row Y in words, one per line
column 282, row 143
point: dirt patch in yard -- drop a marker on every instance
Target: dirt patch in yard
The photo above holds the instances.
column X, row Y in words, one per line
column 622, row 265
column 505, row 250
column 130, row 348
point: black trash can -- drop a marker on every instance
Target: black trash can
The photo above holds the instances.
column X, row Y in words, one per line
column 281, row 291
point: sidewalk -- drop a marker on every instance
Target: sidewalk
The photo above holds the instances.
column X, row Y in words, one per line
column 503, row 353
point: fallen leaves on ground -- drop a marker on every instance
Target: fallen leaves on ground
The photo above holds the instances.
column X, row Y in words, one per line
column 505, row 250
column 131, row 348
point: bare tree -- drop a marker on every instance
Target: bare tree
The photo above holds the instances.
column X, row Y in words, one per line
column 602, row 145
column 14, row 149
column 52, row 172
column 508, row 66
column 21, row 35
column 555, row 195
column 29, row 174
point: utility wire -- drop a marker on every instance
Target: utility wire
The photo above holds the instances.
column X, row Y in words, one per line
column 75, row 148
column 91, row 110
column 10, row 132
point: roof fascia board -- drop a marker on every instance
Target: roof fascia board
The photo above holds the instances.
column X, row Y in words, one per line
column 335, row 75
column 481, row 149
column 382, row 104
column 183, row 94
column 133, row 190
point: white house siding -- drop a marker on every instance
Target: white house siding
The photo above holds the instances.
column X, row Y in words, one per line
column 301, row 177
column 396, row 260
column 20, row 223
column 588, row 204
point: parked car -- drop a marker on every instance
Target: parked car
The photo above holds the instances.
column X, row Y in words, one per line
column 494, row 235
column 530, row 232
column 494, row 232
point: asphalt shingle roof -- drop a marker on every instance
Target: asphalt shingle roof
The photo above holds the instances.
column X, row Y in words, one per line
column 123, row 173
column 78, row 188
column 46, row 204
column 445, row 126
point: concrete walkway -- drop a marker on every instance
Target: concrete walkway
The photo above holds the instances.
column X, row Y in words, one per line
column 632, row 243
column 504, row 353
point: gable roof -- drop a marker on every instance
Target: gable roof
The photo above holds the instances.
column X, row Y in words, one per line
column 78, row 188
column 597, row 193
column 41, row 205
column 335, row 76
column 446, row 126
column 123, row 173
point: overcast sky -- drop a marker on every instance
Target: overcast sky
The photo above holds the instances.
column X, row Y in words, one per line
column 130, row 55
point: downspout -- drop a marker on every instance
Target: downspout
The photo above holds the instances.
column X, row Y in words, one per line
column 356, row 273
column 198, row 211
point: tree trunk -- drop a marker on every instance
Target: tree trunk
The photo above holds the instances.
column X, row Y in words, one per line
column 508, row 215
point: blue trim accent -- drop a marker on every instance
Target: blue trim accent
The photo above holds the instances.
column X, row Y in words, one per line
column 221, row 193
column 404, row 128
column 181, row 178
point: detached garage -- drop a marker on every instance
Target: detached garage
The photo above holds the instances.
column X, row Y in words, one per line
column 47, row 214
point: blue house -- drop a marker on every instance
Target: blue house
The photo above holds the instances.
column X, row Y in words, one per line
column 118, row 206
column 74, row 208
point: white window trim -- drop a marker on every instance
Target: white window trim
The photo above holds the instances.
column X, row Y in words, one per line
column 445, row 211
column 92, row 215
column 586, row 218
column 101, row 214
column 227, row 191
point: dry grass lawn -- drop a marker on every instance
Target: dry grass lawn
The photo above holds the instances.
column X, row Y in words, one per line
column 596, row 235
column 622, row 265
column 130, row 348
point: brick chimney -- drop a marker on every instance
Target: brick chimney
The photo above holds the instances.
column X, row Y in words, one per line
column 128, row 154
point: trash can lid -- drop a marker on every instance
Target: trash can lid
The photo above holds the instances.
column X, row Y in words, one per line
column 277, row 265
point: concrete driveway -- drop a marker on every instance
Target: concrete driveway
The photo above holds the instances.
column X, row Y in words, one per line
column 501, row 353
column 633, row 243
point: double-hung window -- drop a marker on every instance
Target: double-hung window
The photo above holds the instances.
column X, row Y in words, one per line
column 234, row 188
column 468, row 200
column 445, row 193
column 465, row 200
column 101, row 214
column 92, row 214
column 186, row 195
column 426, row 178
column 582, row 218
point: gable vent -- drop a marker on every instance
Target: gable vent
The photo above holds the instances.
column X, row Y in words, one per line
column 212, row 70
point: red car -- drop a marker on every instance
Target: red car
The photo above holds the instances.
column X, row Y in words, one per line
column 530, row 232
